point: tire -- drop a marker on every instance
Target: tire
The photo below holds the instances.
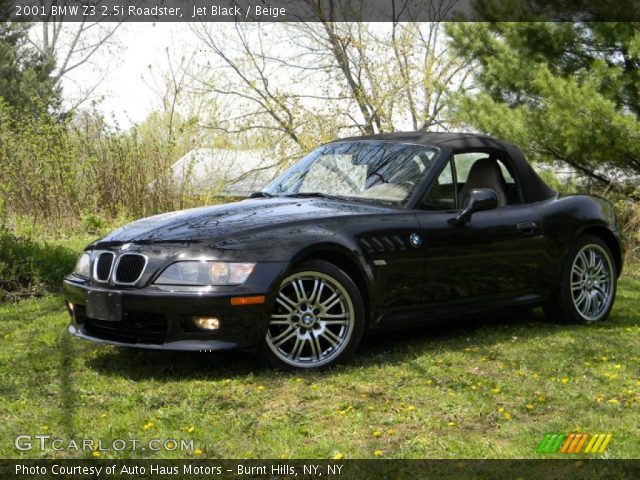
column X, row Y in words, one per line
column 317, row 319
column 588, row 284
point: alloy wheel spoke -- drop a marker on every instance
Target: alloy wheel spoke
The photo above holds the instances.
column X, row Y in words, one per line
column 284, row 336
column 581, row 298
column 296, row 351
column 286, row 302
column 316, row 350
column 331, row 337
column 312, row 296
column 299, row 289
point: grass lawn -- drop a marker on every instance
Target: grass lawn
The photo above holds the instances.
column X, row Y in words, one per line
column 489, row 388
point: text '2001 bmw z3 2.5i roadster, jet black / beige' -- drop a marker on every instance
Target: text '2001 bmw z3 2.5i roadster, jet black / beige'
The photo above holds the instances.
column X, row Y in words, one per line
column 365, row 233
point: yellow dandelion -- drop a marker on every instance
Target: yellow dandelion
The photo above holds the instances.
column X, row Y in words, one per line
column 496, row 390
column 96, row 454
column 198, row 451
column 261, row 388
column 529, row 406
column 599, row 399
column 391, row 431
column 299, row 380
column 148, row 426
column 283, row 456
column 104, row 415
column 521, row 373
column 338, row 456
column 45, row 427
column 500, row 410
column 613, row 401
column 564, row 380
column 377, row 433
column 452, row 424
column 541, row 398
column 618, row 366
column 507, row 416
column 190, row 429
column 378, row 453
column 429, row 382
column 370, row 408
column 171, row 445
column 410, row 408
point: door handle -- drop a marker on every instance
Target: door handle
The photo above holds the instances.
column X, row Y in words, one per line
column 528, row 228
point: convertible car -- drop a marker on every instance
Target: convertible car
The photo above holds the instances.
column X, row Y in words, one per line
column 362, row 234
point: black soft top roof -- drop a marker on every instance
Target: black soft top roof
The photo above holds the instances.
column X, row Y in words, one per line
column 533, row 187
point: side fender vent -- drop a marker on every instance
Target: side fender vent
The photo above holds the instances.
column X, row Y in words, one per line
column 382, row 243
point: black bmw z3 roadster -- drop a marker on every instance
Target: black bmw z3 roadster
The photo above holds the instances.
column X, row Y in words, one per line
column 366, row 233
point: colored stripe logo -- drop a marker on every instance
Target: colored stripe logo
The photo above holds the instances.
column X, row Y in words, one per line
column 574, row 443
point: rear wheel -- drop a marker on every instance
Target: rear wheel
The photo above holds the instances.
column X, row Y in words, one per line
column 317, row 319
column 588, row 284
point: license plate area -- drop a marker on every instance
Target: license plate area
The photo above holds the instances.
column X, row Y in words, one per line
column 105, row 306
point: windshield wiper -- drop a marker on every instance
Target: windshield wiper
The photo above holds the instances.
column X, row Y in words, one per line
column 315, row 194
column 261, row 195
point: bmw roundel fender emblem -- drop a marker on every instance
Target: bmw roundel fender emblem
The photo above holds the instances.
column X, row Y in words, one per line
column 415, row 239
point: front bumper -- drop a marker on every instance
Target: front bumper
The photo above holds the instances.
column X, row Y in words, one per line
column 157, row 319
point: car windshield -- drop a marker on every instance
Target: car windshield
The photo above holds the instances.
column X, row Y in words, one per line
column 378, row 171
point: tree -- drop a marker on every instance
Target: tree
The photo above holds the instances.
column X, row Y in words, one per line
column 25, row 81
column 567, row 92
column 299, row 84
column 72, row 45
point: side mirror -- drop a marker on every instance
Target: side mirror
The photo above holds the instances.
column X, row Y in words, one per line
column 477, row 200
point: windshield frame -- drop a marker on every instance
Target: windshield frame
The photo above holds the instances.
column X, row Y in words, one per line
column 407, row 203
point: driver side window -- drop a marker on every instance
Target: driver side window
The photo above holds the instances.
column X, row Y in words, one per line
column 468, row 171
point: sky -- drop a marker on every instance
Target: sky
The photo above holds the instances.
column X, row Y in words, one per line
column 126, row 98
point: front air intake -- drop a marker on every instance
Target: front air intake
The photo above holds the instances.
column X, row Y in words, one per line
column 129, row 268
column 103, row 266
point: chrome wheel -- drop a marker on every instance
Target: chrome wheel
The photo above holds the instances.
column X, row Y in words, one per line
column 591, row 282
column 312, row 321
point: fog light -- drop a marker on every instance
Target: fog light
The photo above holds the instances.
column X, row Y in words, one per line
column 207, row 323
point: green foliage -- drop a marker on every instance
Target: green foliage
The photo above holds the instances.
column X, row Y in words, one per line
column 25, row 81
column 488, row 388
column 28, row 267
column 81, row 170
column 93, row 222
column 563, row 91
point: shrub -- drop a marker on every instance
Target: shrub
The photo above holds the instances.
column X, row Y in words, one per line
column 31, row 268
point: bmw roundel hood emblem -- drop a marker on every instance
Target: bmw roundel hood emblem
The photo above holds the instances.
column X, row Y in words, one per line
column 415, row 239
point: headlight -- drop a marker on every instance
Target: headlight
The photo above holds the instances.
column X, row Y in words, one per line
column 83, row 267
column 205, row 273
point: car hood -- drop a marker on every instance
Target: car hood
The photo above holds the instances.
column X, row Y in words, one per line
column 217, row 222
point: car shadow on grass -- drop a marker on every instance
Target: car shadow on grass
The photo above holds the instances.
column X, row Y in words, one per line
column 482, row 331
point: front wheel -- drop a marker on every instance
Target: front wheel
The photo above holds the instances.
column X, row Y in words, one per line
column 588, row 284
column 317, row 319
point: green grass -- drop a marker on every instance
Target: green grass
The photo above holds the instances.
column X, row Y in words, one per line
column 488, row 388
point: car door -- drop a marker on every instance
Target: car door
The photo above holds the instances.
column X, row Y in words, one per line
column 397, row 265
column 495, row 256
